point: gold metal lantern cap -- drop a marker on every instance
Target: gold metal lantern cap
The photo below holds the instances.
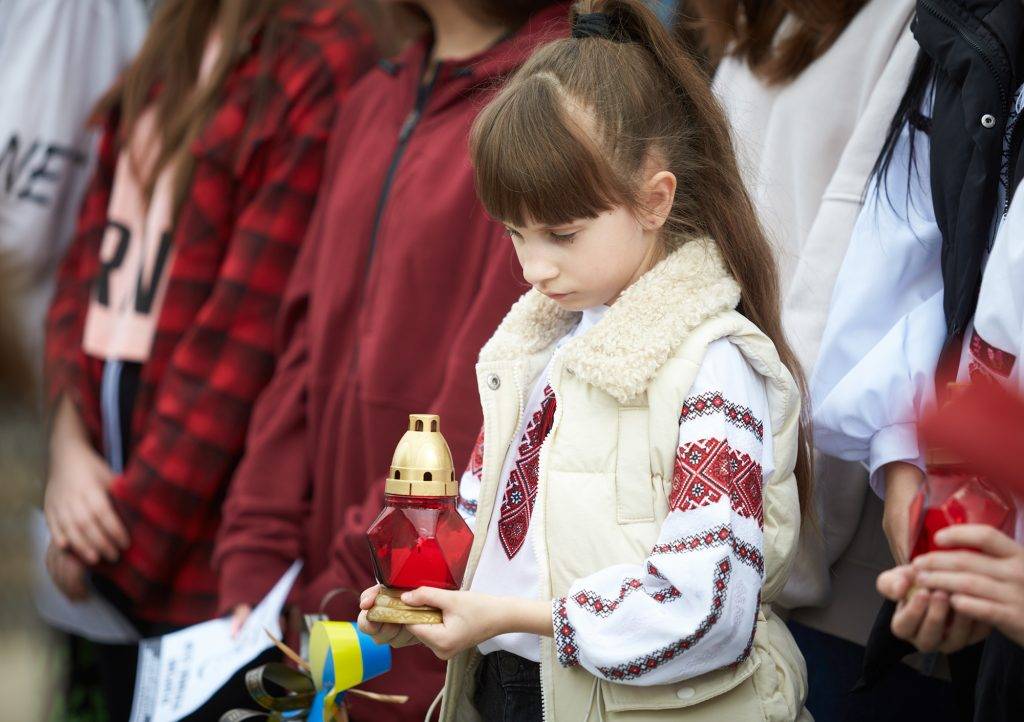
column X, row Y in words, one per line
column 422, row 464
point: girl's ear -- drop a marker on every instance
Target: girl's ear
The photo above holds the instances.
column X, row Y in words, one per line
column 658, row 194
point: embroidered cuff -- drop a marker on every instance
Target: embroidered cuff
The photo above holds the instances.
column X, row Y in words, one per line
column 565, row 634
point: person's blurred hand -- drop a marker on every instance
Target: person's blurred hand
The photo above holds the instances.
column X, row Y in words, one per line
column 396, row 635
column 985, row 581
column 921, row 614
column 77, row 502
column 68, row 573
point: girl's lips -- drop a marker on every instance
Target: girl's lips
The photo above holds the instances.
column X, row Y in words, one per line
column 557, row 296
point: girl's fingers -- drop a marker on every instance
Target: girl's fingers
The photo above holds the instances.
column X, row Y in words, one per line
column 365, row 625
column 369, row 597
column 958, row 634
column 909, row 615
column 57, row 535
column 79, row 541
column 107, row 519
column 959, row 561
column 975, row 585
column 93, row 530
column 989, row 613
column 428, row 597
column 404, row 639
column 241, row 613
column 977, row 536
column 894, row 583
column 929, row 634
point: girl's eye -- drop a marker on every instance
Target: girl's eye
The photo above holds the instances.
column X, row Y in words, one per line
column 513, row 235
column 563, row 237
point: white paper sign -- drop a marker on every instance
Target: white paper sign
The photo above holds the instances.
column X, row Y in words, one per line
column 94, row 618
column 178, row 672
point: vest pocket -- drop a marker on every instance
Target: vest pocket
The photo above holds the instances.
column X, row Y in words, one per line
column 720, row 687
column 634, row 485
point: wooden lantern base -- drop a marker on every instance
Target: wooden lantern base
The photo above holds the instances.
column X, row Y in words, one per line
column 390, row 609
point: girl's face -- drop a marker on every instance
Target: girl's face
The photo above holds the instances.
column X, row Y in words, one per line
column 590, row 262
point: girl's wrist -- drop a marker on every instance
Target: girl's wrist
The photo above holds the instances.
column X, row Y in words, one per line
column 517, row 615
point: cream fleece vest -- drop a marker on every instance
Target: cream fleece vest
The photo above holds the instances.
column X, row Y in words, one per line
column 606, row 471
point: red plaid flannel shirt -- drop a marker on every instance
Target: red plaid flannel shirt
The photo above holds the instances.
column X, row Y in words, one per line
column 257, row 175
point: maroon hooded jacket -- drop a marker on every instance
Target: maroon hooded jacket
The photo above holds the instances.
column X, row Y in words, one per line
column 401, row 280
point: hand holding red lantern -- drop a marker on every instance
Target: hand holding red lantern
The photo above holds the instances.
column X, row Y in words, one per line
column 419, row 539
column 965, row 559
column 954, row 493
column 419, row 545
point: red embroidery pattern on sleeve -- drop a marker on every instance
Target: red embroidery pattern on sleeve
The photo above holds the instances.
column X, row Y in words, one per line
column 713, row 402
column 521, row 489
column 601, row 607
column 640, row 666
column 987, row 360
column 708, row 469
column 719, row 536
column 565, row 635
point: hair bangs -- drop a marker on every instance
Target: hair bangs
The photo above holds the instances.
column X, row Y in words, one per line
column 535, row 161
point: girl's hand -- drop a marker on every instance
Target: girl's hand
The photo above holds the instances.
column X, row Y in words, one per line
column 77, row 503
column 396, row 635
column 67, row 573
column 921, row 619
column 902, row 481
column 471, row 618
column 986, row 585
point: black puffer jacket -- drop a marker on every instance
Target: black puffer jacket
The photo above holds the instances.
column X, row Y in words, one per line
column 975, row 48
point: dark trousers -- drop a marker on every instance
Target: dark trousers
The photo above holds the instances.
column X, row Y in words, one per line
column 834, row 666
column 999, row 695
column 508, row 689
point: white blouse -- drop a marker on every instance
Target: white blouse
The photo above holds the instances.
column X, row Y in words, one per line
column 886, row 326
column 691, row 605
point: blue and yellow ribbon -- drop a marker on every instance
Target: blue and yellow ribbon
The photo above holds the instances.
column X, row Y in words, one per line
column 341, row 658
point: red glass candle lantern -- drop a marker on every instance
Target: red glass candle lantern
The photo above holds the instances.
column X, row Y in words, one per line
column 953, row 494
column 419, row 538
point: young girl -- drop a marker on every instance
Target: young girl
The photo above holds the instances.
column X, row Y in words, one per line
column 159, row 337
column 638, row 486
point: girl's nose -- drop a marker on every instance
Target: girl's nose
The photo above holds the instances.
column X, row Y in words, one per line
column 537, row 269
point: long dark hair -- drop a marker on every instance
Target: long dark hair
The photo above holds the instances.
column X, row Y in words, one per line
column 748, row 30
column 170, row 59
column 569, row 136
column 908, row 114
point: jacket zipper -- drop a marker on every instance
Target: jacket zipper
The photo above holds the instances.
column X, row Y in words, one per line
column 952, row 23
column 408, row 126
column 542, row 556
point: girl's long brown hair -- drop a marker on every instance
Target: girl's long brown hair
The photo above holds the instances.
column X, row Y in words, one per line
column 169, row 61
column 747, row 29
column 570, row 135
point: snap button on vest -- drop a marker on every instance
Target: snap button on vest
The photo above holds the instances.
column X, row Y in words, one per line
column 685, row 692
column 493, row 382
column 988, row 120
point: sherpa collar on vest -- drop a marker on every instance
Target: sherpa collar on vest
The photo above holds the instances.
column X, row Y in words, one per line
column 624, row 350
